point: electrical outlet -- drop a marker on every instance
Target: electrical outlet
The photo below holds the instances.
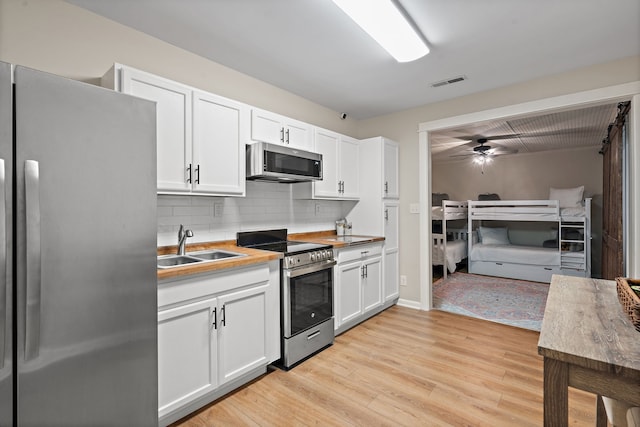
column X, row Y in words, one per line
column 217, row 209
column 414, row 208
column 403, row 280
column 318, row 208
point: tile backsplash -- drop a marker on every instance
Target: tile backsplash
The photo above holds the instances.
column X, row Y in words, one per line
column 266, row 206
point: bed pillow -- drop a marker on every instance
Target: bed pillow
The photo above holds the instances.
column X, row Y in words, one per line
column 494, row 236
column 568, row 197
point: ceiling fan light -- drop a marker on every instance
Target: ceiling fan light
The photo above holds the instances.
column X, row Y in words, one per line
column 382, row 20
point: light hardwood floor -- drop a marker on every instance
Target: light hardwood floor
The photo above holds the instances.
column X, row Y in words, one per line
column 404, row 368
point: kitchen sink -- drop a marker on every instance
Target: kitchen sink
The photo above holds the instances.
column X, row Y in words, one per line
column 170, row 261
column 167, row 261
column 215, row 254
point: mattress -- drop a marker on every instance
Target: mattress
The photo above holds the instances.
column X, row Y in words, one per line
column 516, row 254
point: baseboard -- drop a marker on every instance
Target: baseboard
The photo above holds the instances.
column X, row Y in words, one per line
column 409, row 304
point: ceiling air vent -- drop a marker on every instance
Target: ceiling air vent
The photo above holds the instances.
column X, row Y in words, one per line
column 449, row 81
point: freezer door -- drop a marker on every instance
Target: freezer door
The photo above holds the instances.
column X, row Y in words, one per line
column 86, row 254
column 6, row 256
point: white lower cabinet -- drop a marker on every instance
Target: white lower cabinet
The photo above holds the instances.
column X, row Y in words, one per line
column 187, row 354
column 358, row 285
column 215, row 332
column 242, row 332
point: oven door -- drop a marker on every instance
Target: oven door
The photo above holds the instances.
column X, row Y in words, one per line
column 307, row 297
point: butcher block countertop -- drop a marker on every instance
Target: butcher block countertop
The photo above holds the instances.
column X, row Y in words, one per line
column 254, row 256
column 330, row 238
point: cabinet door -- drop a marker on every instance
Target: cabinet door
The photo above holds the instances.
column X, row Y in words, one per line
column 349, row 172
column 219, row 134
column 243, row 332
column 390, row 224
column 267, row 127
column 173, row 125
column 372, row 284
column 326, row 143
column 187, row 349
column 391, row 250
column 349, row 292
column 298, row 134
column 390, row 183
column 390, row 285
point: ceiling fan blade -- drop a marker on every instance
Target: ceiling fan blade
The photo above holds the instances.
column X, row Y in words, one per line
column 498, row 137
column 499, row 151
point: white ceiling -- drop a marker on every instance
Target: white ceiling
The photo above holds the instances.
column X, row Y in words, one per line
column 310, row 48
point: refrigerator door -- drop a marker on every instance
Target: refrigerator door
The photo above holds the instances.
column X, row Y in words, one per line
column 86, row 254
column 6, row 256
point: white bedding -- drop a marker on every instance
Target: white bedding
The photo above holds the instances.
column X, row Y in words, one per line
column 531, row 255
column 575, row 212
column 456, row 252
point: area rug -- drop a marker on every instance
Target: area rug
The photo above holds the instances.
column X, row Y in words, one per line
column 512, row 302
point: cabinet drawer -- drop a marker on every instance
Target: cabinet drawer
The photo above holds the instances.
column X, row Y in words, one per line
column 193, row 288
column 359, row 252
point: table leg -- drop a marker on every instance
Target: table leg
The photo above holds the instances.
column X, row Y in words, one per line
column 601, row 413
column 556, row 393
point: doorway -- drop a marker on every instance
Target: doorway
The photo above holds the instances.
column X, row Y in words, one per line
column 578, row 100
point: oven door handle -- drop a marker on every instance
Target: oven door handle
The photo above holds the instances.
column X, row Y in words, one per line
column 310, row 269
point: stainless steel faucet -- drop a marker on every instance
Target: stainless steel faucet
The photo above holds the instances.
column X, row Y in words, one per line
column 182, row 238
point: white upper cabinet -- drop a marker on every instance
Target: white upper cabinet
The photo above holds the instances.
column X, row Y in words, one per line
column 348, row 161
column 173, row 124
column 200, row 136
column 219, row 130
column 277, row 129
column 340, row 176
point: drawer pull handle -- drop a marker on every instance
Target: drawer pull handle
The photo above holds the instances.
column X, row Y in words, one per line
column 313, row 335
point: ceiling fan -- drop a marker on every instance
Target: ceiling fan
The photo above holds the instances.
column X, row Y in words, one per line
column 480, row 149
column 482, row 153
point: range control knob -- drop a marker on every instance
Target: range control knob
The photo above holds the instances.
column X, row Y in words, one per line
column 292, row 261
column 313, row 256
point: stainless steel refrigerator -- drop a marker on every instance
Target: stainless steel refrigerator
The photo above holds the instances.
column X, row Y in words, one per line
column 78, row 301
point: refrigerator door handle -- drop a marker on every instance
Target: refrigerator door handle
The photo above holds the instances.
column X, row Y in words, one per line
column 3, row 264
column 32, row 210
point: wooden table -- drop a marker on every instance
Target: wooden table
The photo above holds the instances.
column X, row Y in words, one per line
column 589, row 343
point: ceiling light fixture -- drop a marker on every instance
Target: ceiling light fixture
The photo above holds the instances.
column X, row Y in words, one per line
column 387, row 25
column 482, row 160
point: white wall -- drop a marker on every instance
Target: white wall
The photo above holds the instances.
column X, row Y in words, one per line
column 60, row 38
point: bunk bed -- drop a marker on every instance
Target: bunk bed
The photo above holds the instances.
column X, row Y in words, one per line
column 493, row 254
column 447, row 252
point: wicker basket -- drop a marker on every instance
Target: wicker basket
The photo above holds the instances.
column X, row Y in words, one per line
column 629, row 299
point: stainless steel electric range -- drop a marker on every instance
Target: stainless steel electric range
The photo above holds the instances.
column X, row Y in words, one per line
column 306, row 314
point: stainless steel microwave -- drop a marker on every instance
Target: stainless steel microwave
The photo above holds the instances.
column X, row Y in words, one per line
column 273, row 162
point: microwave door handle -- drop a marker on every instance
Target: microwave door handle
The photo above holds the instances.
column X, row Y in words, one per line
column 3, row 264
column 33, row 260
